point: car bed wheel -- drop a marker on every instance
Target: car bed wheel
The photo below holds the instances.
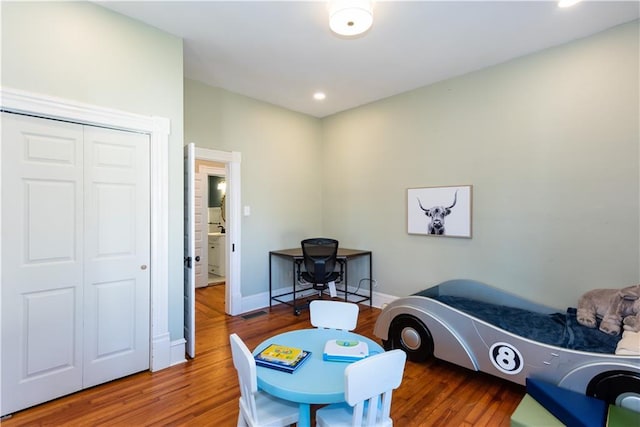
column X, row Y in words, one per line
column 412, row 336
column 621, row 388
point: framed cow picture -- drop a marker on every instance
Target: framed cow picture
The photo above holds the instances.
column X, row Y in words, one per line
column 439, row 211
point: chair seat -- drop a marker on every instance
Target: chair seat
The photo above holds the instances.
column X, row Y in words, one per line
column 332, row 278
column 341, row 414
column 275, row 412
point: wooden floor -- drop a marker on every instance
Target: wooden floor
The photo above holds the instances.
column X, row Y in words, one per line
column 204, row 391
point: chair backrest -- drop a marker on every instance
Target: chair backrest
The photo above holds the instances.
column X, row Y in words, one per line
column 245, row 364
column 373, row 380
column 333, row 314
column 319, row 257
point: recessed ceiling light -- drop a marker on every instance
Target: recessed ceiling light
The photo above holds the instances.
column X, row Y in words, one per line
column 567, row 3
column 319, row 96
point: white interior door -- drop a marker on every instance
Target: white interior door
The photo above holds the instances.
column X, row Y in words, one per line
column 201, row 229
column 117, row 250
column 42, row 260
column 75, row 230
column 190, row 257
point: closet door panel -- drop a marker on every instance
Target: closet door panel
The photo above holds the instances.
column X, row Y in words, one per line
column 75, row 257
column 42, row 263
column 47, row 241
column 117, row 248
column 49, row 331
column 115, row 316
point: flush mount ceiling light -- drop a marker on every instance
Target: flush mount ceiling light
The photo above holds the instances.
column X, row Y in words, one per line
column 350, row 17
column 567, row 3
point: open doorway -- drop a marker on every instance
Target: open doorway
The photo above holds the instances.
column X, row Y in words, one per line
column 195, row 207
column 231, row 171
column 210, row 223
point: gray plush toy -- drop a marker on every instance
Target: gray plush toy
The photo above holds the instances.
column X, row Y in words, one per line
column 613, row 306
column 632, row 323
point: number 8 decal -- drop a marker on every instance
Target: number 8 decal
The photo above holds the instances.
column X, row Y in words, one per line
column 506, row 358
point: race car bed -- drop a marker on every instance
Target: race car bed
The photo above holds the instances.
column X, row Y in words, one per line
column 485, row 329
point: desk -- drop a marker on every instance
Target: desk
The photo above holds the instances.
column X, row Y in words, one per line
column 296, row 258
column 316, row 381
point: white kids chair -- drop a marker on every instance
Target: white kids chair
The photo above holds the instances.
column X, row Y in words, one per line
column 258, row 408
column 369, row 384
column 333, row 314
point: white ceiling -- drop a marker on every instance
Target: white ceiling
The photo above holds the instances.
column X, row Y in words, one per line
column 283, row 51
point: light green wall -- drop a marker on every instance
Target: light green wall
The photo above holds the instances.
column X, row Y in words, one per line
column 548, row 141
column 82, row 52
column 281, row 170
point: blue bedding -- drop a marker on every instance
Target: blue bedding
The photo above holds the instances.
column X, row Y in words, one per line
column 558, row 329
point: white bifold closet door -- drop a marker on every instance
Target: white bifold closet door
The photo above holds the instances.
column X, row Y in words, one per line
column 75, row 258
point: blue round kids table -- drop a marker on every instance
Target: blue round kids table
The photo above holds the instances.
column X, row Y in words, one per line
column 316, row 381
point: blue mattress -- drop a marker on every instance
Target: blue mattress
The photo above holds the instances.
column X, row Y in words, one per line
column 558, row 329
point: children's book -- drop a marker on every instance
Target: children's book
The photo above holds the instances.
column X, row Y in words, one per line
column 282, row 358
column 345, row 350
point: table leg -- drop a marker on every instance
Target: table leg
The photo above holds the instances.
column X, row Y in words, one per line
column 304, row 415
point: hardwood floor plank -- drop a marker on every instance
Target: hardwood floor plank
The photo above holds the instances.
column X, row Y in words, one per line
column 204, row 391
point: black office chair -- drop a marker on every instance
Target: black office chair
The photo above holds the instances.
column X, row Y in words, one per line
column 320, row 258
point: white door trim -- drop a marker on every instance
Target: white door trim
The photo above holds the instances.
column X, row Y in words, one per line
column 158, row 128
column 231, row 159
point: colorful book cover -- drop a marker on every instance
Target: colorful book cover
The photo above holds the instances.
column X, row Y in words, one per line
column 282, row 358
column 281, row 353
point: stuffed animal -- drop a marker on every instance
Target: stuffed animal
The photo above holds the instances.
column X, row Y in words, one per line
column 612, row 306
column 632, row 323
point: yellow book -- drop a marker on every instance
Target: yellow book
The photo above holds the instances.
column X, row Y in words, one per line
column 281, row 354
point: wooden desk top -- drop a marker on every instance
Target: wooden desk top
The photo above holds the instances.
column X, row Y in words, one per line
column 342, row 252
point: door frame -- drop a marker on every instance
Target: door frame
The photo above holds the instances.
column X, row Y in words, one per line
column 158, row 129
column 231, row 160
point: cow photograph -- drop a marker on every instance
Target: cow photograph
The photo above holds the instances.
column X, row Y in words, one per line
column 439, row 211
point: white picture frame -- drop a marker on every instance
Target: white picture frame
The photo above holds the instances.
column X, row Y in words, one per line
column 440, row 211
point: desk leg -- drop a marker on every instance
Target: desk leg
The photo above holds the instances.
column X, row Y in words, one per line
column 304, row 415
column 346, row 280
column 370, row 280
column 293, row 285
column 270, row 284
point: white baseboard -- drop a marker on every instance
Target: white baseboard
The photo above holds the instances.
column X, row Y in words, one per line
column 160, row 352
column 380, row 300
column 178, row 351
column 261, row 300
column 254, row 302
